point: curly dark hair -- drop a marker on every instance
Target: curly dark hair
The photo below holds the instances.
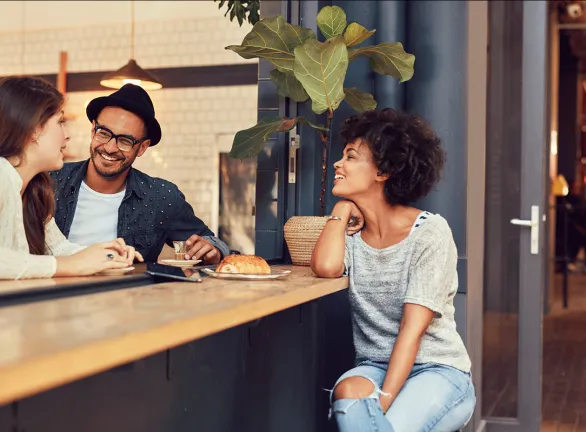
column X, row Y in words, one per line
column 404, row 146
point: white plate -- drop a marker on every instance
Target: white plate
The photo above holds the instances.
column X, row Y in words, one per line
column 115, row 272
column 180, row 263
column 275, row 274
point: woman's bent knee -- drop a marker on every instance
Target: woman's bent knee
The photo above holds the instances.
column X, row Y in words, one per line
column 353, row 388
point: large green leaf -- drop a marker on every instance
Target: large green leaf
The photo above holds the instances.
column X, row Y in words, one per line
column 356, row 34
column 388, row 59
column 331, row 20
column 273, row 39
column 250, row 142
column 321, row 69
column 359, row 100
column 288, row 85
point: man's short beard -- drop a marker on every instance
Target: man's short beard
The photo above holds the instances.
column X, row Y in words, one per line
column 114, row 174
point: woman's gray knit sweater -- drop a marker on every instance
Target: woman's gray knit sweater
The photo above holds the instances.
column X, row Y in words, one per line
column 421, row 269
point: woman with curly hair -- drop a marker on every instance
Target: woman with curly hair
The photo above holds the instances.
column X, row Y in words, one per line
column 412, row 369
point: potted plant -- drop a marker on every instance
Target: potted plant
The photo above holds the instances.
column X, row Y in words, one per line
column 307, row 69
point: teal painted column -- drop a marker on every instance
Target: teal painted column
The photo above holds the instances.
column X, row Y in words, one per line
column 449, row 89
column 391, row 26
column 437, row 34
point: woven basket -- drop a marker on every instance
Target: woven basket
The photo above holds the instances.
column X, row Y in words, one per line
column 301, row 234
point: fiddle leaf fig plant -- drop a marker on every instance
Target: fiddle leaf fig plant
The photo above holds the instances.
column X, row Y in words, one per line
column 288, row 85
column 320, row 68
column 355, row 34
column 308, row 69
column 250, row 142
column 360, row 101
column 331, row 21
column 273, row 39
column 387, row 59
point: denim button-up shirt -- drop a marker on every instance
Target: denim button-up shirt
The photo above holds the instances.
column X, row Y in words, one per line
column 153, row 211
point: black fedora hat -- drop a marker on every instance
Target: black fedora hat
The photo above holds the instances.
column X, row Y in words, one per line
column 132, row 98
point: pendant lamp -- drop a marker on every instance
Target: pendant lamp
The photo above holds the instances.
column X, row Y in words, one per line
column 131, row 72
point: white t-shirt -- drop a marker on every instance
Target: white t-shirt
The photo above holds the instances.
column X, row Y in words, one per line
column 96, row 216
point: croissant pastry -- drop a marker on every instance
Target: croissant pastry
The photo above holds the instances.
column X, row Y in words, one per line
column 243, row 264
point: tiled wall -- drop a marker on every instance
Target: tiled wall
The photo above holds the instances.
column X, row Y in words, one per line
column 197, row 122
column 193, row 42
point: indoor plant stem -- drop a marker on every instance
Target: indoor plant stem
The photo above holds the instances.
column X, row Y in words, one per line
column 326, row 140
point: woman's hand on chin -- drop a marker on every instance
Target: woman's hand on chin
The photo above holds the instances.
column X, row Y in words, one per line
column 350, row 214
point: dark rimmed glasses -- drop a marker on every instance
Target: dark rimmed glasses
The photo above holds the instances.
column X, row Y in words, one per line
column 125, row 143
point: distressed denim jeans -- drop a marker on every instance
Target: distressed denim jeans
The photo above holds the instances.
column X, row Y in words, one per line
column 435, row 398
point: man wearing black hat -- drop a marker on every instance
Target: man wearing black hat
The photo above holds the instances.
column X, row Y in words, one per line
column 105, row 198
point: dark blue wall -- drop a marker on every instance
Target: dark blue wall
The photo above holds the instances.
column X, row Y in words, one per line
column 272, row 162
column 437, row 36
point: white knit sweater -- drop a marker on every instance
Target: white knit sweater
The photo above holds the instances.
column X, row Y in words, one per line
column 15, row 260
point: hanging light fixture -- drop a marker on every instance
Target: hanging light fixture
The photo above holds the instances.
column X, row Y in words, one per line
column 560, row 186
column 131, row 72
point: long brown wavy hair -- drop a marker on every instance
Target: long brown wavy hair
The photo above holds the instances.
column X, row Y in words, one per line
column 27, row 103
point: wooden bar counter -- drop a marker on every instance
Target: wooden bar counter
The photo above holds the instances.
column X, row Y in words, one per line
column 32, row 290
column 50, row 348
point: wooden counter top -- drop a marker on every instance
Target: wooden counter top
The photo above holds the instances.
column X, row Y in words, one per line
column 27, row 285
column 14, row 292
column 47, row 344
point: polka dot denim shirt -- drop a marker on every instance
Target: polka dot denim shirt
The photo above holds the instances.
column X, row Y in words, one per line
column 152, row 213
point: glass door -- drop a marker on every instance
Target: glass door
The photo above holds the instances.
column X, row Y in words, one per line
column 515, row 238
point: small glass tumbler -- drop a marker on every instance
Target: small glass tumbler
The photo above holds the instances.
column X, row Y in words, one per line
column 180, row 249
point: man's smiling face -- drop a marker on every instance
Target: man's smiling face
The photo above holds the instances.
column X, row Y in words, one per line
column 107, row 158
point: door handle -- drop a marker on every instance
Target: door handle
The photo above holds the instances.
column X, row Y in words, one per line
column 534, row 225
column 293, row 147
column 522, row 222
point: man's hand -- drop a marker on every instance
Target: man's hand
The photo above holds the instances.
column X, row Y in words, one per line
column 200, row 248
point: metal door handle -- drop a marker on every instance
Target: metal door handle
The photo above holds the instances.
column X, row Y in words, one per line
column 293, row 147
column 534, row 225
column 522, row 222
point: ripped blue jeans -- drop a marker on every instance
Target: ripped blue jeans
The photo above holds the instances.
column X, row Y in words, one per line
column 435, row 398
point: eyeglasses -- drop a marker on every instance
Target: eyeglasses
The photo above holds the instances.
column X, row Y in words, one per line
column 103, row 135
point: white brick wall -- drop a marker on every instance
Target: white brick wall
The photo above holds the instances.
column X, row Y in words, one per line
column 193, row 42
column 192, row 119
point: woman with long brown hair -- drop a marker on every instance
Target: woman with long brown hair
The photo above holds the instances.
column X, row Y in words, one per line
column 32, row 140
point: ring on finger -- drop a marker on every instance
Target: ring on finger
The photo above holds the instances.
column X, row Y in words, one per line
column 110, row 256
